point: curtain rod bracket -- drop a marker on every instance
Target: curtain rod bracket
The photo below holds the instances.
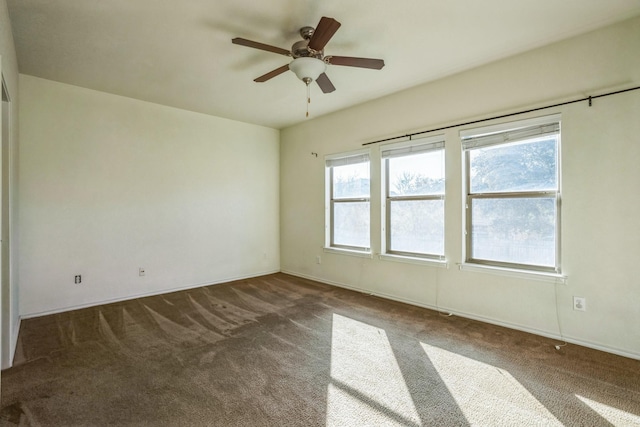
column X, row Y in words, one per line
column 590, row 102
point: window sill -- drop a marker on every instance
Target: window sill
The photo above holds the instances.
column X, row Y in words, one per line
column 511, row 272
column 350, row 252
column 414, row 260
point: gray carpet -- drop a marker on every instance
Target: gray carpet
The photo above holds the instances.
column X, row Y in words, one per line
column 283, row 351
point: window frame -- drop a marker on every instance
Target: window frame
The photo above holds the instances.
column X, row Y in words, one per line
column 496, row 131
column 331, row 201
column 417, row 146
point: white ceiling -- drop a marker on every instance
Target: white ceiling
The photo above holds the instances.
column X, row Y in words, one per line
column 180, row 53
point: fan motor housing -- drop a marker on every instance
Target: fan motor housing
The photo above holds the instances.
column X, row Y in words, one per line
column 300, row 49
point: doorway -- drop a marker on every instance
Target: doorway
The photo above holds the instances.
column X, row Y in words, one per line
column 5, row 261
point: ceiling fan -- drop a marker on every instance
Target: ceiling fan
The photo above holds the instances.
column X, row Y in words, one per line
column 309, row 61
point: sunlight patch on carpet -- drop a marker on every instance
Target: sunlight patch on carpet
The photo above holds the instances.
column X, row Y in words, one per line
column 366, row 385
column 487, row 395
column 615, row 416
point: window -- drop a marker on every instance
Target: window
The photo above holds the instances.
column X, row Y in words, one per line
column 513, row 194
column 414, row 198
column 348, row 184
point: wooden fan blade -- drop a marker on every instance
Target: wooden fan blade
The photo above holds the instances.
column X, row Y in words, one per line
column 326, row 28
column 272, row 74
column 325, row 84
column 261, row 46
column 350, row 61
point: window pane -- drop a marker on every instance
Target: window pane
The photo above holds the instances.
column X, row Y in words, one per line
column 417, row 175
column 519, row 166
column 417, row 226
column 351, row 224
column 514, row 230
column 351, row 181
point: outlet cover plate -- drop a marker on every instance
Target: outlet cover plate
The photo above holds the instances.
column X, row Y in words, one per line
column 580, row 303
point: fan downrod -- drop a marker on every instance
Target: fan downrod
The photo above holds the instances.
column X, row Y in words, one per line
column 307, row 32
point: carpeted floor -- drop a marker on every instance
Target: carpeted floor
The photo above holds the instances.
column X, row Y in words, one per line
column 283, row 351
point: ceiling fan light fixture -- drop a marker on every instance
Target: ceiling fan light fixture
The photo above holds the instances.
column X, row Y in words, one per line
column 307, row 69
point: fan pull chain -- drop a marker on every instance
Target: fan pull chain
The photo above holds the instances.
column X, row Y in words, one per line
column 308, row 99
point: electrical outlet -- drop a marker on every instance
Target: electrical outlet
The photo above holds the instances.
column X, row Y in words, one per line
column 580, row 303
column 78, row 279
column 141, row 271
column 318, row 260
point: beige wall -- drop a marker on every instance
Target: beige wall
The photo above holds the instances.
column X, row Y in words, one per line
column 7, row 50
column 600, row 203
column 110, row 184
column 10, row 291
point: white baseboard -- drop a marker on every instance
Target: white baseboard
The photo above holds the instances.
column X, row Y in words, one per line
column 523, row 328
column 13, row 345
column 14, row 341
column 143, row 295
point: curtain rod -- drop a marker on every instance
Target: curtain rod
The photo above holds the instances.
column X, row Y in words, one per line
column 588, row 98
